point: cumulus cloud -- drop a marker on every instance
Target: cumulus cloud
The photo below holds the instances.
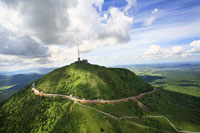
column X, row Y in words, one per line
column 177, row 50
column 195, row 46
column 47, row 31
column 155, row 52
column 190, row 51
column 21, row 46
column 84, row 21
column 45, row 20
column 152, row 50
column 65, row 22
column 117, row 27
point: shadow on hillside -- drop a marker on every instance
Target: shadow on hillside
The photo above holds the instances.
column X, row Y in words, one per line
column 188, row 85
column 149, row 78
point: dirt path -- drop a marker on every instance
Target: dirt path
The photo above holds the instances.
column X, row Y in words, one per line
column 135, row 117
column 133, row 98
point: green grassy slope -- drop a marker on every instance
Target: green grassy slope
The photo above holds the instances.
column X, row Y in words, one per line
column 92, row 81
column 25, row 112
column 182, row 110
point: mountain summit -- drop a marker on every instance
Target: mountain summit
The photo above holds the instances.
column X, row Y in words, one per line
column 92, row 81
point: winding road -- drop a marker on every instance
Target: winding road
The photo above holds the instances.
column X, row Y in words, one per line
column 134, row 98
column 73, row 98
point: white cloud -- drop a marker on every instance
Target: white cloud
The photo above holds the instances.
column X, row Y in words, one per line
column 177, row 50
column 10, row 19
column 117, row 27
column 65, row 22
column 176, row 53
column 154, row 10
column 152, row 50
column 130, row 3
column 149, row 21
column 98, row 3
column 60, row 25
column 195, row 46
column 56, row 27
column 160, row 33
column 83, row 20
column 23, row 46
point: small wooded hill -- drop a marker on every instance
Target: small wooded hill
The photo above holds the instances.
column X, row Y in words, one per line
column 92, row 82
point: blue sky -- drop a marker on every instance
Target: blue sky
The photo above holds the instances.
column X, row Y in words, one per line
column 109, row 32
column 173, row 28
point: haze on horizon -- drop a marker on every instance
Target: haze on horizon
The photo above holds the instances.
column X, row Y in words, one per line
column 35, row 33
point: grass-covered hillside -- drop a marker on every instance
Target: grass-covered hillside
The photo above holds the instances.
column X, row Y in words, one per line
column 92, row 82
column 24, row 112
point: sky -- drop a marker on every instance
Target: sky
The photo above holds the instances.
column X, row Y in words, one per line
column 46, row 33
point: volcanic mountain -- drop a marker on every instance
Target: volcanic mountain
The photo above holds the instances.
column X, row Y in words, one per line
column 92, row 82
column 27, row 112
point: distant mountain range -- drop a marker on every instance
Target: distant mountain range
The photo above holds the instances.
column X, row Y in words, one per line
column 40, row 70
column 162, row 65
column 10, row 84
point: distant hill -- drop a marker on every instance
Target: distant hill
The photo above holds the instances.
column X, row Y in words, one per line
column 10, row 84
column 39, row 70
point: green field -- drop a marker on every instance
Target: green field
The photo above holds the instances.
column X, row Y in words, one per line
column 6, row 92
column 5, row 87
column 178, row 78
column 11, row 84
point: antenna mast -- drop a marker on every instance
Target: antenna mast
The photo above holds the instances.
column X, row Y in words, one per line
column 78, row 54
